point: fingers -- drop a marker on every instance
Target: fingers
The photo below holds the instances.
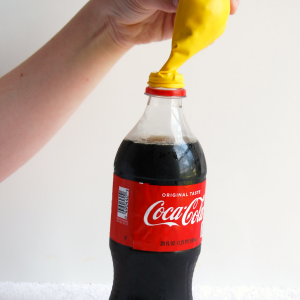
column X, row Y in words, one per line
column 168, row 26
column 234, row 6
column 169, row 6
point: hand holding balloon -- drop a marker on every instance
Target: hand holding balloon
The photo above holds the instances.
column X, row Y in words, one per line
column 198, row 24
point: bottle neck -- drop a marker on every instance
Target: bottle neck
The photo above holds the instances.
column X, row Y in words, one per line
column 163, row 122
column 164, row 102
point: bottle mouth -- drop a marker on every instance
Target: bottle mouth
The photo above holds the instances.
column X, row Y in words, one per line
column 165, row 92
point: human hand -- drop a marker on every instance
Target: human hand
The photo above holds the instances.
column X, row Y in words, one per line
column 234, row 6
column 133, row 22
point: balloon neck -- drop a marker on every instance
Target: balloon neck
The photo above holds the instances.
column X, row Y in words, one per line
column 166, row 79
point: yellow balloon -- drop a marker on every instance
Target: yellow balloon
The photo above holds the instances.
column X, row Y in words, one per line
column 198, row 24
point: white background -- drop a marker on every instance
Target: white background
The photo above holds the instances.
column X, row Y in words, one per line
column 244, row 106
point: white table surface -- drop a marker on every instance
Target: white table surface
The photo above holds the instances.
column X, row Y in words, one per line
column 52, row 291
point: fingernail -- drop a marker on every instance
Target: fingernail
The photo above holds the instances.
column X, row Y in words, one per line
column 175, row 3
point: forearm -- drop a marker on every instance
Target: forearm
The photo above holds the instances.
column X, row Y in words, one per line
column 39, row 96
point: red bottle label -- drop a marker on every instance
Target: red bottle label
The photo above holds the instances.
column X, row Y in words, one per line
column 157, row 218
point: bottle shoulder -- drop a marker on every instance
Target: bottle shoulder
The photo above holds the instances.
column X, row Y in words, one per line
column 160, row 163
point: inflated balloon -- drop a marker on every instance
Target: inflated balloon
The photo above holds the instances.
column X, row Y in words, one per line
column 198, row 24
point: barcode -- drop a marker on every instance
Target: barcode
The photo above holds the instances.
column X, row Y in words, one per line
column 123, row 202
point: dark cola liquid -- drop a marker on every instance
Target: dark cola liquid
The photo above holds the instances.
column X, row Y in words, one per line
column 144, row 275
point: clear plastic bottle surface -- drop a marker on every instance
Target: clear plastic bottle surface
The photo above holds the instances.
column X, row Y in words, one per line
column 158, row 204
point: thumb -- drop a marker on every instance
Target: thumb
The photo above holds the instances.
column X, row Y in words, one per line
column 169, row 6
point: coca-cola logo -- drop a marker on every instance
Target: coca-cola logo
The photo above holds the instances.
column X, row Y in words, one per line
column 158, row 214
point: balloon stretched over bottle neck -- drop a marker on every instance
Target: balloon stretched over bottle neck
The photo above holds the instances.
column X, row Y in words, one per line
column 198, row 24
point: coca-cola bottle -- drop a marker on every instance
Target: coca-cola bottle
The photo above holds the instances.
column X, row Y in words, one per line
column 157, row 204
